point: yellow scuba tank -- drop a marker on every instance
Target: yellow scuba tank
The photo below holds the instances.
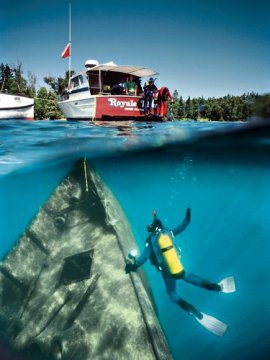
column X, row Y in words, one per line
column 170, row 256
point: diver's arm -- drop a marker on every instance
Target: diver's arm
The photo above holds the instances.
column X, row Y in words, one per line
column 144, row 256
column 184, row 224
column 140, row 260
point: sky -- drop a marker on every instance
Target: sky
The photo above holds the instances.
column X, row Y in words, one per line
column 207, row 48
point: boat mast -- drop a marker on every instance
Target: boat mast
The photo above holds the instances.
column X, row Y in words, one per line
column 69, row 65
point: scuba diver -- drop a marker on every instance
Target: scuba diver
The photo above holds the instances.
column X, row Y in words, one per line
column 160, row 248
column 149, row 90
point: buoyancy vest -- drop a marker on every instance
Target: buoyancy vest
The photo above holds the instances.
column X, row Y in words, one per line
column 149, row 88
column 170, row 255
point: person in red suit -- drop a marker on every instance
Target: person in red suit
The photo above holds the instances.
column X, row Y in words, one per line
column 162, row 97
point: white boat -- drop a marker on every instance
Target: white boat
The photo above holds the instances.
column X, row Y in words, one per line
column 16, row 107
column 90, row 95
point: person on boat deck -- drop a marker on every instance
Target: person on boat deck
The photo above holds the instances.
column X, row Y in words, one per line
column 131, row 86
column 139, row 87
column 163, row 95
column 118, row 89
column 149, row 90
column 155, row 253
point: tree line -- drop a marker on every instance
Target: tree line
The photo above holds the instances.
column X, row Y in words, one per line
column 227, row 108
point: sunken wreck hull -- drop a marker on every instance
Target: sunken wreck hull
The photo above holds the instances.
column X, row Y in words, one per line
column 64, row 293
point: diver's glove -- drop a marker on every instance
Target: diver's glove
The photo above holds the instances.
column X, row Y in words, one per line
column 130, row 267
column 188, row 215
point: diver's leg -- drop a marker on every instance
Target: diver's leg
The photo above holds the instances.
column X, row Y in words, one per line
column 170, row 285
column 210, row 323
column 198, row 281
column 145, row 103
column 150, row 101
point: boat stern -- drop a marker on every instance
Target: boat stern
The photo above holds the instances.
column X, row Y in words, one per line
column 119, row 107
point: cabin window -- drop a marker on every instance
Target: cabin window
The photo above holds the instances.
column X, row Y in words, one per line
column 81, row 79
column 75, row 82
column 94, row 82
column 108, row 80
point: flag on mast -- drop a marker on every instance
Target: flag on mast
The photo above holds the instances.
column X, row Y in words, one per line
column 67, row 51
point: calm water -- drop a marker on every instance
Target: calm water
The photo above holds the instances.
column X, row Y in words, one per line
column 220, row 170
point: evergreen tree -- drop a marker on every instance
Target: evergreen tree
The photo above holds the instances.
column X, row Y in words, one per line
column 262, row 106
column 13, row 82
column 6, row 77
column 174, row 106
column 181, row 113
column 189, row 108
column 216, row 112
column 195, row 107
column 19, row 84
column 46, row 106
column 53, row 111
column 234, row 109
column 41, row 104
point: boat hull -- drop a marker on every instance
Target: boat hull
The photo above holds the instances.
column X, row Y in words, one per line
column 106, row 107
column 16, row 107
column 78, row 106
column 64, row 293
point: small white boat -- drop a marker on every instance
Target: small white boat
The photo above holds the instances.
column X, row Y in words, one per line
column 16, row 107
column 91, row 97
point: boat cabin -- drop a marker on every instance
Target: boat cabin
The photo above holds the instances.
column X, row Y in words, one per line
column 106, row 79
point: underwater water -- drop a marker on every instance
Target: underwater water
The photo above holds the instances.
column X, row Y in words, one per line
column 221, row 171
